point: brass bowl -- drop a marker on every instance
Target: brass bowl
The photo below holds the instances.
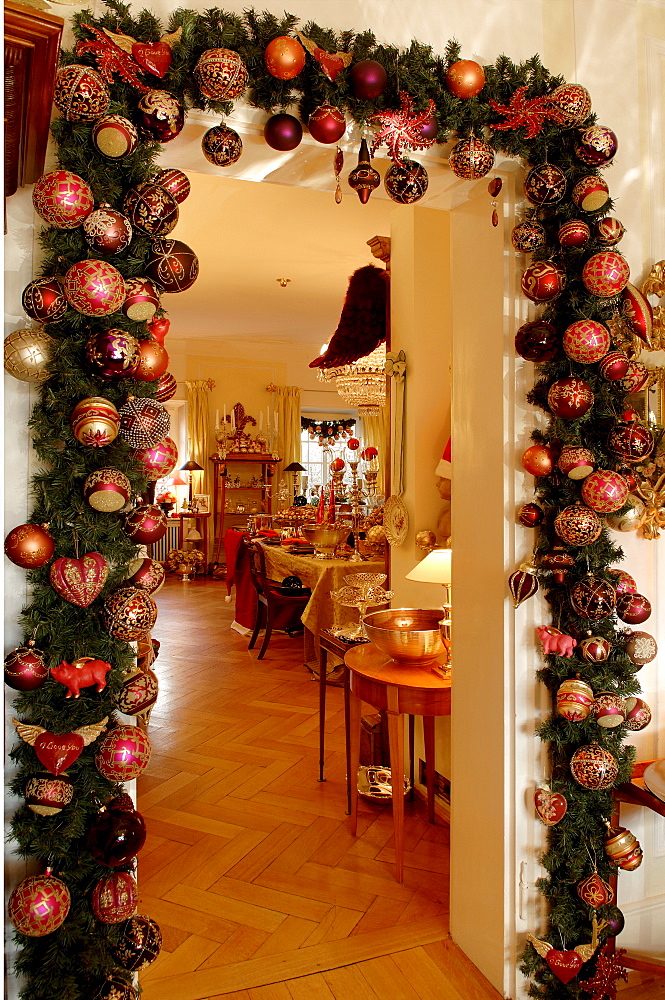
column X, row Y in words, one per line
column 409, row 636
column 325, row 538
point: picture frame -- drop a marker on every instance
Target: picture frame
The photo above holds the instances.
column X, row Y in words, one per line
column 201, row 503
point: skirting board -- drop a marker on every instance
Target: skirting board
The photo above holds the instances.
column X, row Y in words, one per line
column 643, row 935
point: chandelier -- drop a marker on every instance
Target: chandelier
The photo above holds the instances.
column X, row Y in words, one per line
column 361, row 384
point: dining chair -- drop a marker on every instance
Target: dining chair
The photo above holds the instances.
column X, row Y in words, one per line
column 275, row 610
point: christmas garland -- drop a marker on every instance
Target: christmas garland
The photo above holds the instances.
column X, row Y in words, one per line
column 99, row 431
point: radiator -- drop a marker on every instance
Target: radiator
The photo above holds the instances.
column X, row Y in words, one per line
column 160, row 549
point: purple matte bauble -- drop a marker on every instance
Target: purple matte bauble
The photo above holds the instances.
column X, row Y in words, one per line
column 615, row 919
column 282, row 132
column 430, row 129
column 368, row 79
column 116, row 836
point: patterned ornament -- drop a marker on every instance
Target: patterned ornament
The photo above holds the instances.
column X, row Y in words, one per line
column 576, row 462
column 117, row 833
column 573, row 101
column 590, row 193
column 640, row 648
column 94, row 288
column 39, row 905
column 550, row 806
column 609, row 231
column 570, row 398
column 631, row 441
column 631, row 519
column 637, row 313
column 327, row 124
column 114, row 988
column 284, row 57
column 537, row 341
column 605, row 274
column 175, row 182
column 363, row 179
column 107, row 490
column 608, row 969
column 538, row 459
column 27, row 355
column 123, row 753
column 593, row 767
column 595, row 649
column 282, row 132
column 613, row 366
column 95, row 422
column 138, row 694
column 167, row 387
column 146, row 574
column 112, row 353
column 406, row 182
column 114, row 898
column 636, row 377
column 622, row 848
column 592, row 598
column 143, row 422
column 141, row 300
column 26, row 670
column 594, row 891
column 29, row 545
column 368, row 79
column 139, row 944
column 609, row 710
column 545, row 184
column 161, row 115
column 523, row 583
column 44, row 300
column 107, row 232
column 152, row 362
column 465, row 78
column 114, row 136
column 638, row 714
column 160, row 460
column 58, row 751
column 79, row 581
column 48, row 794
column 403, row 128
column 624, row 583
column 221, row 74
column 146, row 524
column 574, row 234
column 596, row 146
column 151, row 209
column 528, row 236
column 530, row 515
column 129, row 613
column 586, row 341
column 172, row 265
column 529, row 114
column 543, row 280
column 80, row 93
column 574, row 700
column 221, row 146
column 578, row 525
column 62, row 199
column 604, row 491
column 471, row 158
column 633, row 608
column 558, row 562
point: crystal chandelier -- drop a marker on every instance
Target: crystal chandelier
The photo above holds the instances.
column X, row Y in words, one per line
column 361, row 384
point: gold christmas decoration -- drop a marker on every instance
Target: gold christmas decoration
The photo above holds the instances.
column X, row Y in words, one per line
column 27, row 353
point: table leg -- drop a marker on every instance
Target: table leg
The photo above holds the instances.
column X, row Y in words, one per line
column 347, row 739
column 396, row 735
column 323, row 669
column 412, row 745
column 428, row 734
column 354, row 739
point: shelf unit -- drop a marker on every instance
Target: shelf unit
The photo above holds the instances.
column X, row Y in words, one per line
column 244, row 466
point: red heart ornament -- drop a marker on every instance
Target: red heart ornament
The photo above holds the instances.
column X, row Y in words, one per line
column 564, row 964
column 155, row 57
column 56, row 753
column 79, row 581
column 550, row 806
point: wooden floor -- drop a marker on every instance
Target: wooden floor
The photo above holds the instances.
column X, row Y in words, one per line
column 260, row 891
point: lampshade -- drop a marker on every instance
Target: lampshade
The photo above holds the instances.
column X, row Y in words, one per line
column 177, row 480
column 193, row 535
column 295, row 467
column 192, row 466
column 434, row 568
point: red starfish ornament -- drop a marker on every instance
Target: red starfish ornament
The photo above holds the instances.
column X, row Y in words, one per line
column 608, row 970
column 532, row 114
column 111, row 59
column 402, row 128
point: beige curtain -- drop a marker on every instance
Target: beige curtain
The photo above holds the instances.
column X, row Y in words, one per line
column 287, row 405
column 376, row 432
column 198, row 394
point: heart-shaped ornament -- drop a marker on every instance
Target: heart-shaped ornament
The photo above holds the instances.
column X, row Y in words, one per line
column 550, row 806
column 564, row 964
column 79, row 581
column 155, row 57
column 57, row 752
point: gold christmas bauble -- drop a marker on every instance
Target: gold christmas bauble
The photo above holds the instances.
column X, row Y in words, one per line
column 27, row 354
column 631, row 519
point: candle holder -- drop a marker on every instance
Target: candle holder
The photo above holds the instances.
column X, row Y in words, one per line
column 363, row 591
column 356, row 494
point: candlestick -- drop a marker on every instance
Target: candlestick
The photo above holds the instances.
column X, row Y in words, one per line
column 216, row 418
column 261, row 420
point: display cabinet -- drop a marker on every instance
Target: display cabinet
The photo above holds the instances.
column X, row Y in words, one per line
column 242, row 485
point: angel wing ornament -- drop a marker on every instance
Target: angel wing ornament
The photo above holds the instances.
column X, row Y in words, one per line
column 56, row 751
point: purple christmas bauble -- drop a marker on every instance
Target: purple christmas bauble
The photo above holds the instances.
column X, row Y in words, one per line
column 161, row 115
column 368, row 79
column 112, row 353
column 537, row 341
column 283, row 132
column 596, row 145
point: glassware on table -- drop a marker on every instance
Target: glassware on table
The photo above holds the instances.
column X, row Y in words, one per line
column 362, row 591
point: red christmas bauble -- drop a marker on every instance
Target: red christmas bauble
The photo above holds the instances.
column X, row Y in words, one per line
column 631, row 441
column 25, row 668
column 542, row 281
column 114, row 898
column 609, row 231
column 107, row 490
column 284, row 58
column 638, row 714
column 221, row 146
column 129, row 613
column 637, row 313
column 62, row 199
column 282, row 132
column 573, row 101
column 95, row 422
column 160, row 114
column 139, row 944
column 623, row 582
column 576, row 462
column 609, row 710
column 115, row 836
column 167, row 387
column 152, row 360
column 146, row 574
column 604, row 491
column 112, row 353
column 114, row 988
column 578, row 525
column 545, row 184
column 574, row 700
column 613, row 366
column 586, row 341
column 141, row 299
column 363, row 179
column 558, row 562
column 146, row 524
column 636, row 377
column 29, row 546
column 590, row 193
column 406, row 182
column 596, row 146
column 530, row 515
column 465, row 78
column 144, row 422
column 640, row 648
column 353, row 444
column 523, row 583
column 368, row 79
column 528, row 236
column 172, row 265
column 48, row 794
column 107, row 232
column 39, row 905
column 138, row 693
column 337, row 465
column 44, row 300
column 175, row 182
column 114, row 137
column 151, row 209
column 369, row 453
column 537, row 341
column 94, row 287
column 622, row 848
column 606, row 273
column 633, row 609
column 538, row 460
column 79, row 581
column 471, row 158
column 570, row 398
column 574, row 234
column 221, row 74
column 80, row 93
column 593, row 598
column 124, row 752
column 326, row 124
column 593, row 767
column 595, row 649
column 160, row 460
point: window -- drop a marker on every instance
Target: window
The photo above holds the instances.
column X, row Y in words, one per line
column 317, row 457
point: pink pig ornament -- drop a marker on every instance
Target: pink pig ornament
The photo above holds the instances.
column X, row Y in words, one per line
column 555, row 641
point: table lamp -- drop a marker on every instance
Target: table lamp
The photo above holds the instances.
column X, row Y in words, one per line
column 436, row 568
column 190, row 467
column 296, row 468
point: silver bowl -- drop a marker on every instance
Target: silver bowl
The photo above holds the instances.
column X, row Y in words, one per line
column 325, row 538
column 409, row 636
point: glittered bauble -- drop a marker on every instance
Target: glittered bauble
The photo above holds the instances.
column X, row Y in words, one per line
column 640, row 648
column 530, row 515
column 167, row 387
column 545, row 184
column 221, row 146
column 146, row 574
column 613, row 366
column 115, row 836
column 622, row 848
column 633, row 608
column 573, row 101
column 538, row 460
column 27, row 354
column 172, row 265
column 609, row 710
column 107, row 232
column 596, row 146
column 576, row 462
column 637, row 313
column 578, row 525
column 326, row 124
column 39, row 905
column 574, row 699
column 592, row 598
column 363, row 179
column 141, row 299
column 471, row 158
column 128, row 613
column 152, row 361
column 114, row 898
column 528, row 236
column 114, row 988
column 62, row 199
column 26, row 670
column 95, row 422
column 590, row 193
column 594, row 767
column 48, row 794
column 107, row 490
column 636, row 377
column 29, row 546
column 79, row 581
column 112, row 353
column 638, row 714
column 146, row 524
column 558, row 562
column 221, row 74
column 114, row 137
column 573, row 234
column 94, row 287
column 465, row 78
column 523, row 583
column 161, row 115
column 629, row 520
column 44, row 300
column 151, row 209
column 175, row 182
column 139, row 944
column 606, row 273
column 282, row 132
column 604, row 491
column 570, row 398
column 80, row 93
column 542, row 281
column 537, row 341
column 406, row 182
column 144, row 422
column 124, row 752
column 160, row 460
column 138, row 693
column 368, row 79
column 595, row 649
column 609, row 231
column 631, row 441
column 586, row 341
column 284, row 58
column 623, row 582
column 594, row 891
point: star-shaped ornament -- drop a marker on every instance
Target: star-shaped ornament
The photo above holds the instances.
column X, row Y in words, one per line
column 603, row 984
column 402, row 128
column 531, row 114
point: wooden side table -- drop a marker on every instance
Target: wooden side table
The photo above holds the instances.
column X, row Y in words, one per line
column 328, row 643
column 412, row 690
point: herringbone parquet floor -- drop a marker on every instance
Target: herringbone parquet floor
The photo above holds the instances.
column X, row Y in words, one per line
column 260, row 891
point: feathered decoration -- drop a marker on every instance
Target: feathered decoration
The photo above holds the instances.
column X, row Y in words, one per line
column 88, row 734
column 362, row 325
column 330, row 62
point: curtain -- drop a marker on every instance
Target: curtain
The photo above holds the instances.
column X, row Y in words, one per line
column 376, row 431
column 197, row 428
column 287, row 401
